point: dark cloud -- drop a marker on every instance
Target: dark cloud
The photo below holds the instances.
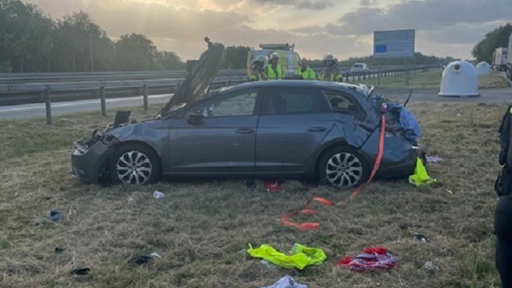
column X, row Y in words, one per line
column 426, row 15
column 299, row 4
column 368, row 2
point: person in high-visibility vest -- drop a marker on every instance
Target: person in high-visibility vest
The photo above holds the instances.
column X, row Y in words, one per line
column 257, row 72
column 305, row 71
column 274, row 69
column 330, row 72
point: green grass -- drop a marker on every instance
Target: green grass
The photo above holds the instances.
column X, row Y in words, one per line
column 202, row 228
column 432, row 80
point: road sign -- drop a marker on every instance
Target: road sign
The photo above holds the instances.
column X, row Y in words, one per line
column 395, row 43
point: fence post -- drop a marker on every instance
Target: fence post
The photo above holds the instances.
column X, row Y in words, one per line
column 378, row 77
column 103, row 101
column 145, row 94
column 48, row 104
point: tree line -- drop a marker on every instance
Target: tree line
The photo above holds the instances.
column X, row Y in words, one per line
column 33, row 42
column 496, row 38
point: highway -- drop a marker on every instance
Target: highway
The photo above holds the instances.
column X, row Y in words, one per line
column 60, row 108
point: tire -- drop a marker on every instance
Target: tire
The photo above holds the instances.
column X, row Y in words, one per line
column 343, row 167
column 135, row 164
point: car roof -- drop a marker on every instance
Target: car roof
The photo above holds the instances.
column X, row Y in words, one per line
column 363, row 89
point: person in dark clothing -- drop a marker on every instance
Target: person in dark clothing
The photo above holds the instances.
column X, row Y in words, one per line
column 503, row 212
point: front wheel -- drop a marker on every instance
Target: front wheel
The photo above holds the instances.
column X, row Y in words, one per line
column 135, row 164
column 343, row 167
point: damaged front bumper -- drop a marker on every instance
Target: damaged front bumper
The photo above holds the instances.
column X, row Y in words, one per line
column 89, row 160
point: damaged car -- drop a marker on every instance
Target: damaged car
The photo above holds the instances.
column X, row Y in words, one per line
column 265, row 130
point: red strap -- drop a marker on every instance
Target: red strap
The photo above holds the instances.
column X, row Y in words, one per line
column 285, row 220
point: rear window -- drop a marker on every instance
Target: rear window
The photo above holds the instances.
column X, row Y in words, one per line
column 343, row 103
column 283, row 101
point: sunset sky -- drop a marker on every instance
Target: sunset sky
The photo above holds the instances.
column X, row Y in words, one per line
column 342, row 27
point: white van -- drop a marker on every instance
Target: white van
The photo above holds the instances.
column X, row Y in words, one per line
column 359, row 67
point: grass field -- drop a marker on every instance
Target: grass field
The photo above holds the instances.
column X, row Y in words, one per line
column 202, row 228
column 432, row 79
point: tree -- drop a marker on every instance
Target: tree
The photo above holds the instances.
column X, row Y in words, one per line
column 135, row 52
column 25, row 37
column 81, row 45
column 235, row 57
column 497, row 38
column 167, row 60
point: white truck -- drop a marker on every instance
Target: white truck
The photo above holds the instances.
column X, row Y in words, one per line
column 509, row 60
column 499, row 59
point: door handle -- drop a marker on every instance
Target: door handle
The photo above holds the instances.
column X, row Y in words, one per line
column 244, row 131
column 316, row 129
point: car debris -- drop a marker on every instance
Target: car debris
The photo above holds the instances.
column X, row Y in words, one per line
column 80, row 271
column 56, row 215
column 59, row 250
column 158, row 195
column 199, row 78
column 287, row 282
column 143, row 259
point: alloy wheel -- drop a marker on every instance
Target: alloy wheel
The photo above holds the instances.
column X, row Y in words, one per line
column 134, row 167
column 344, row 170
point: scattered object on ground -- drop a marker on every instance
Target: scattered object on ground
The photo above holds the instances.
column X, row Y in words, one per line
column 301, row 256
column 433, row 159
column 143, row 259
column 287, row 282
column 268, row 264
column 158, row 195
column 420, row 176
column 449, row 191
column 59, row 250
column 372, row 259
column 80, row 271
column 272, row 186
column 429, row 265
column 130, row 199
column 250, row 183
column 419, row 237
column 55, row 215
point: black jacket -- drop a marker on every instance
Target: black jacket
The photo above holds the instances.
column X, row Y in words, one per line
column 503, row 185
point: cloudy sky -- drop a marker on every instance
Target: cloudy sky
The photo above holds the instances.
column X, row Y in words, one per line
column 342, row 27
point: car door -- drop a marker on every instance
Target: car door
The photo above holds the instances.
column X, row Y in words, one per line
column 216, row 136
column 293, row 124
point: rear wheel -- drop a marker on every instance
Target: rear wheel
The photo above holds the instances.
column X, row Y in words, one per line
column 343, row 167
column 135, row 164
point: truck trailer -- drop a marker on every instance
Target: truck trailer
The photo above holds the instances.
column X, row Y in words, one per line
column 509, row 59
column 499, row 59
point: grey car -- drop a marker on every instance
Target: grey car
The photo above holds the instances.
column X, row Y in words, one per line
column 264, row 130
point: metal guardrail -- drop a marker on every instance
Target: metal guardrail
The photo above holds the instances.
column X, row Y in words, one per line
column 27, row 88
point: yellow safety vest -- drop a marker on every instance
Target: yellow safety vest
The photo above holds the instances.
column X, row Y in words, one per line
column 307, row 74
column 274, row 75
column 332, row 76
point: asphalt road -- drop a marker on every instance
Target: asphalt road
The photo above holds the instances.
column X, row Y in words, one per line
column 498, row 96
column 59, row 108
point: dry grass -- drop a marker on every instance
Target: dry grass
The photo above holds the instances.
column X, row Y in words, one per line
column 202, row 228
column 432, row 80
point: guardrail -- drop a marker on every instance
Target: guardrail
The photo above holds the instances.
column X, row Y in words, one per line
column 30, row 88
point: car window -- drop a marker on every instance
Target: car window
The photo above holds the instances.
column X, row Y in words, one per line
column 240, row 103
column 282, row 101
column 342, row 102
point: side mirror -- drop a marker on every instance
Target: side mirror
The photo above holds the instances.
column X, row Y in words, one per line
column 195, row 119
